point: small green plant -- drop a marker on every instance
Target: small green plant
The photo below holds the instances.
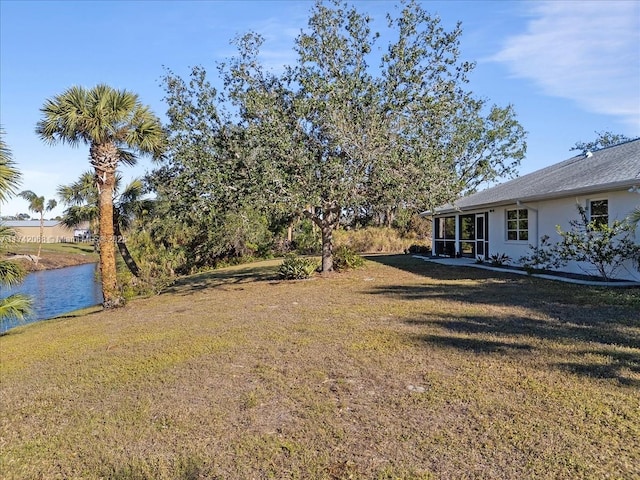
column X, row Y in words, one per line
column 500, row 259
column 296, row 268
column 541, row 257
column 480, row 259
column 344, row 258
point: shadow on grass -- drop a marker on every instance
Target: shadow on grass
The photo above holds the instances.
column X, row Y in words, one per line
column 597, row 370
column 542, row 310
column 224, row 276
column 476, row 345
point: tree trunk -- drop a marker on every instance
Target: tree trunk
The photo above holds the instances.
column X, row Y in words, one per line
column 41, row 238
column 326, row 221
column 327, row 247
column 124, row 251
column 110, row 292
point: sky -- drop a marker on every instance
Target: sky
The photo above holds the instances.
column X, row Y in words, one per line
column 569, row 68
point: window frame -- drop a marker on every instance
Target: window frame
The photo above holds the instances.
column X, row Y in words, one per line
column 521, row 233
column 600, row 219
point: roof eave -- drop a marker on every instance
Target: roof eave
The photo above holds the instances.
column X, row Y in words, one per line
column 623, row 185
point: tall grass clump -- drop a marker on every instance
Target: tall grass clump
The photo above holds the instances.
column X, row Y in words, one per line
column 375, row 240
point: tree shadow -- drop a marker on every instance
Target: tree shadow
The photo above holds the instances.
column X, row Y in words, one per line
column 476, row 345
column 618, row 365
column 542, row 310
column 222, row 277
column 570, row 303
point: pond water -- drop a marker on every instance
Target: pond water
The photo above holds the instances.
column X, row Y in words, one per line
column 58, row 291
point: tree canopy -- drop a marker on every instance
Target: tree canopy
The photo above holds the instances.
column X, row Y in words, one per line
column 603, row 139
column 335, row 133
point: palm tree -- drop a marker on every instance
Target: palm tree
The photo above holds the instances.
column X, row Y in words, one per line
column 14, row 306
column 37, row 204
column 115, row 125
column 81, row 197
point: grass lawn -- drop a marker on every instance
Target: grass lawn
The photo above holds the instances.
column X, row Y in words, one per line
column 400, row 370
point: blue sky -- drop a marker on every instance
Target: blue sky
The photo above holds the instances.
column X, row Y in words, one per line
column 570, row 68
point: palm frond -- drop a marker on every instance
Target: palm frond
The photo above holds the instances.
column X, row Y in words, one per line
column 102, row 115
column 11, row 273
column 7, row 234
column 15, row 307
column 81, row 191
column 78, row 214
column 634, row 217
column 9, row 174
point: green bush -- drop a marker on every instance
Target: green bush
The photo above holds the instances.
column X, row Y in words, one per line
column 500, row 259
column 345, row 258
column 306, row 238
column 296, row 268
column 419, row 249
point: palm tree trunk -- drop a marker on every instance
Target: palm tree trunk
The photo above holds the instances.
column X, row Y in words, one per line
column 110, row 292
column 124, row 251
column 40, row 239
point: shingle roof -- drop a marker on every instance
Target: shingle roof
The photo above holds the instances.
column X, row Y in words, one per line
column 611, row 168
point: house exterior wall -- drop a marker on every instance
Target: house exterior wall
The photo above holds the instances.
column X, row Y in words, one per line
column 543, row 217
column 498, row 241
column 51, row 234
column 563, row 211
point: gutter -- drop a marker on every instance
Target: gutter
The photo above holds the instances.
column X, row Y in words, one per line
column 625, row 185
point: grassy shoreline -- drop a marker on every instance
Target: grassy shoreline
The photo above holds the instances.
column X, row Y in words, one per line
column 53, row 255
column 402, row 369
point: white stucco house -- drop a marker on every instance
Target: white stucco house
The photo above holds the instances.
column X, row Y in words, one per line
column 509, row 217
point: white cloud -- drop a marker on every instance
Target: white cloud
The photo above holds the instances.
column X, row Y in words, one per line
column 588, row 52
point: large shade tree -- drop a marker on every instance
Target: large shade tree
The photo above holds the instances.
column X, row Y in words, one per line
column 117, row 127
column 39, row 205
column 16, row 305
column 333, row 134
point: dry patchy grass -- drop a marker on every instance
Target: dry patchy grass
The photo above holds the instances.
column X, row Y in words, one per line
column 53, row 255
column 402, row 369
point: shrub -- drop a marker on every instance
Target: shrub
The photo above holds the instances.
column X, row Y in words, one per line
column 345, row 258
column 296, row 268
column 541, row 257
column 592, row 244
column 500, row 259
column 604, row 247
column 419, row 249
column 306, row 238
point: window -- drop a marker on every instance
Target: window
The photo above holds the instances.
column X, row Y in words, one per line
column 599, row 212
column 518, row 224
column 446, row 228
column 446, row 236
column 468, row 227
